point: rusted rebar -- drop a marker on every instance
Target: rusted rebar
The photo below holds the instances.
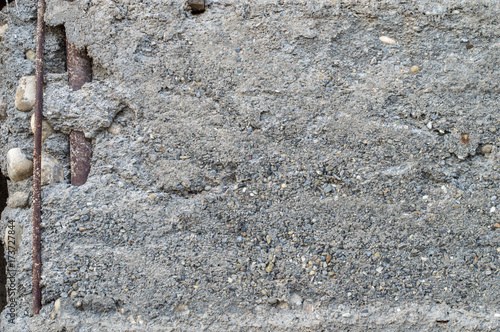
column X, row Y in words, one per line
column 79, row 68
column 37, row 161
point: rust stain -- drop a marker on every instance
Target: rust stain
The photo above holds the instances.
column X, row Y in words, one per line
column 37, row 161
column 464, row 138
column 79, row 67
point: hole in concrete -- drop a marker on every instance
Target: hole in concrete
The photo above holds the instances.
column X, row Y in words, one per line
column 2, row 4
column 4, row 193
column 197, row 6
column 55, row 49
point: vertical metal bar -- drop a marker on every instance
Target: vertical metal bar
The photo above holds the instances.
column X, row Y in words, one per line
column 79, row 68
column 37, row 160
column 80, row 155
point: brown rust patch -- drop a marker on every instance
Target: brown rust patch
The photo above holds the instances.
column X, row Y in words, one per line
column 464, row 138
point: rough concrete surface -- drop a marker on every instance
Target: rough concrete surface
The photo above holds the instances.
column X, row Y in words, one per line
column 264, row 165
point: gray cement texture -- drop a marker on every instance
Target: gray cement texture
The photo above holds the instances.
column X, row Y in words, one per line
column 264, row 166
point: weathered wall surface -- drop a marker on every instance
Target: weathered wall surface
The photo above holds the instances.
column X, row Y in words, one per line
column 264, row 165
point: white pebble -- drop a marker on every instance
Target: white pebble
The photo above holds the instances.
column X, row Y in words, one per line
column 387, row 40
column 493, row 209
column 295, row 299
column 3, row 28
column 115, row 129
column 25, row 94
column 429, row 124
column 18, row 166
column 30, row 55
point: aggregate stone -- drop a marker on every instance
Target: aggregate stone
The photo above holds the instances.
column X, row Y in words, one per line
column 52, row 170
column 18, row 166
column 25, row 93
column 18, row 200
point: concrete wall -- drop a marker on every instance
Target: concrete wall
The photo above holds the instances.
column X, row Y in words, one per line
column 265, row 165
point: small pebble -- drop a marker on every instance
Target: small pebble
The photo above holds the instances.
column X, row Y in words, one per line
column 18, row 166
column 387, row 40
column 295, row 299
column 486, row 149
column 115, row 129
column 181, row 307
column 414, row 69
column 25, row 94
column 429, row 124
column 57, row 305
column 425, row 197
column 30, row 55
column 282, row 305
column 52, row 171
column 493, row 209
column 346, row 314
column 18, row 200
column 3, row 28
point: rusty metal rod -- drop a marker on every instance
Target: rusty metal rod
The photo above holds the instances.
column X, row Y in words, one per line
column 37, row 161
column 79, row 68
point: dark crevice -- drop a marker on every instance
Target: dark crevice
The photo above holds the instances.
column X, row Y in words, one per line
column 4, row 193
column 2, row 4
column 55, row 50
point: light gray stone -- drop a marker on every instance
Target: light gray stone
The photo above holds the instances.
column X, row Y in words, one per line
column 18, row 200
column 18, row 166
column 52, row 170
column 25, row 94
column 3, row 28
